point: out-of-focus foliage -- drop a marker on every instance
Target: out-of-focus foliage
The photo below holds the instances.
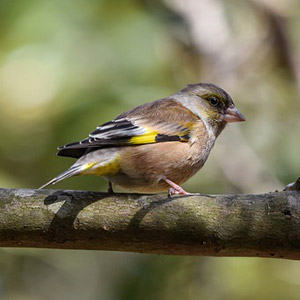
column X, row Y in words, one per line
column 67, row 66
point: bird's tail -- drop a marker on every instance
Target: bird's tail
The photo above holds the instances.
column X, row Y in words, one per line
column 73, row 170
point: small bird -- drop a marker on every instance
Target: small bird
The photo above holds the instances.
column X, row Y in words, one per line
column 156, row 146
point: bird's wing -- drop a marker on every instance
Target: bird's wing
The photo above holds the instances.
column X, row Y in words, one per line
column 160, row 121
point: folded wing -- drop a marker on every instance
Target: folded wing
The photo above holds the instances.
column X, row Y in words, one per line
column 160, row 121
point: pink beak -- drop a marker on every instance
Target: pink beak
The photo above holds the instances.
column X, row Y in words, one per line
column 233, row 115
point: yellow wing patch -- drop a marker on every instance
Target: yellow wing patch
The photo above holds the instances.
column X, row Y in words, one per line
column 146, row 138
column 150, row 137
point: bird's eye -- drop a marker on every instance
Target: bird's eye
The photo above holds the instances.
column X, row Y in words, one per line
column 213, row 101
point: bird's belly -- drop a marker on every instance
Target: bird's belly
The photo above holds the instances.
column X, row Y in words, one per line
column 144, row 167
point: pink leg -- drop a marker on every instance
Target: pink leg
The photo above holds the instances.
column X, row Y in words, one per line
column 175, row 188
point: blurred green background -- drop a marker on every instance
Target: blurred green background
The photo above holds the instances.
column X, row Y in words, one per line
column 68, row 66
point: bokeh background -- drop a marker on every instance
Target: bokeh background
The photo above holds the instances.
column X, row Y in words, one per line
column 68, row 66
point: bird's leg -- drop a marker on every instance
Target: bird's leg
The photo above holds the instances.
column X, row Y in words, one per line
column 175, row 189
column 110, row 188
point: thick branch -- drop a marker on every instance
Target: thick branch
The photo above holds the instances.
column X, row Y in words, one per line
column 266, row 225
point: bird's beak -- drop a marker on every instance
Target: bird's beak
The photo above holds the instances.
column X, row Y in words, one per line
column 232, row 114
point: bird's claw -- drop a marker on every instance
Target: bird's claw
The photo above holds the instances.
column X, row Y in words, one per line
column 178, row 191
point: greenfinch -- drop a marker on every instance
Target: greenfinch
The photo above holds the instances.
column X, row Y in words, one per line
column 156, row 146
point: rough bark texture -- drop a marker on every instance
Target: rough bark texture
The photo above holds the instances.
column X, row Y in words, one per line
column 266, row 225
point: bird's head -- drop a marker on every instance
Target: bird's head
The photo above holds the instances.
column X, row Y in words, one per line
column 212, row 104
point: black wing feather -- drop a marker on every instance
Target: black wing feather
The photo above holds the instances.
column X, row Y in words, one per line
column 138, row 122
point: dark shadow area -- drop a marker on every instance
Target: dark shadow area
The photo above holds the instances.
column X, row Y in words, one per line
column 65, row 225
column 148, row 206
column 62, row 224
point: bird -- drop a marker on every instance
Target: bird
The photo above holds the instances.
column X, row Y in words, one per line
column 157, row 146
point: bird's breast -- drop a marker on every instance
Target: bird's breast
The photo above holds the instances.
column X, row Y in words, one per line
column 143, row 167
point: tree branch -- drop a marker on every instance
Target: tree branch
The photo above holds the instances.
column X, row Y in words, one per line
column 266, row 225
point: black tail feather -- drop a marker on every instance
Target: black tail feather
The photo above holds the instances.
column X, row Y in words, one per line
column 74, row 170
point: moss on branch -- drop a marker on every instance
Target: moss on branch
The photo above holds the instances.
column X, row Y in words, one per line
column 265, row 225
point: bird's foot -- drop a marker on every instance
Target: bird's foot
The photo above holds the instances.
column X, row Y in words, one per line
column 172, row 192
column 110, row 188
column 175, row 189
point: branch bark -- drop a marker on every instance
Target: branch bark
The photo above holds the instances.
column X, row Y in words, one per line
column 266, row 225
